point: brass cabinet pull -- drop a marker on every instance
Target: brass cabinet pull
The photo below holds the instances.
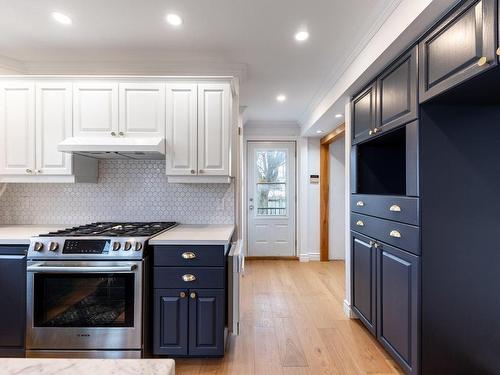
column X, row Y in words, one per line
column 482, row 61
column 182, row 294
column 395, row 234
column 188, row 278
column 370, row 132
column 360, row 203
column 360, row 223
column 188, row 255
column 395, row 208
column 375, row 130
column 193, row 295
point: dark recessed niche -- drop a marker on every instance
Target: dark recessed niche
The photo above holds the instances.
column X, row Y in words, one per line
column 381, row 165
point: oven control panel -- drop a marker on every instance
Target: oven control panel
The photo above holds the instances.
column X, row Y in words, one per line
column 77, row 248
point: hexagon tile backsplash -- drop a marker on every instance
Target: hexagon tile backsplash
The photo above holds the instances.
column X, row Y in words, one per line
column 126, row 191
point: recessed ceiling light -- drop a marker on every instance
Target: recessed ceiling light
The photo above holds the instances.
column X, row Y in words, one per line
column 281, row 98
column 319, row 131
column 174, row 19
column 301, row 36
column 339, row 115
column 61, row 18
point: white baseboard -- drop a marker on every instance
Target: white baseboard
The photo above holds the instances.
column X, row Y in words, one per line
column 348, row 311
column 304, row 257
column 308, row 257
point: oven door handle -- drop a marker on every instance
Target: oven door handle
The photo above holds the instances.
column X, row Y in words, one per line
column 81, row 269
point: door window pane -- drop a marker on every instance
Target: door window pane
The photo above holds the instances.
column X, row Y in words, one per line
column 271, row 189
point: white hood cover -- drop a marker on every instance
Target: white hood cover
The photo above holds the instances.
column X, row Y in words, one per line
column 115, row 148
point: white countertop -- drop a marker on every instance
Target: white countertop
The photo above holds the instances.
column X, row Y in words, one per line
column 195, row 235
column 21, row 234
column 27, row 366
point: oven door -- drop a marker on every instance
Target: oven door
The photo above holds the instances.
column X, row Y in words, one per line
column 84, row 305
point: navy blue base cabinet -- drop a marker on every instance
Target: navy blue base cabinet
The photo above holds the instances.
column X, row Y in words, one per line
column 190, row 301
column 13, row 297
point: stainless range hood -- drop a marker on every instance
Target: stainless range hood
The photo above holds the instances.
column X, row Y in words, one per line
column 145, row 148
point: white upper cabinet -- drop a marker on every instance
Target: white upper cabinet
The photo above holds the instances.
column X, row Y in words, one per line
column 142, row 109
column 54, row 118
column 95, row 108
column 182, row 129
column 214, row 111
column 17, row 128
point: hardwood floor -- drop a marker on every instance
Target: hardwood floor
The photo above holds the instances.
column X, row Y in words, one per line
column 292, row 323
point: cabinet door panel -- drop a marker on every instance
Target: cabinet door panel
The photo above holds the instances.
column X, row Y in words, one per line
column 397, row 92
column 13, row 292
column 182, row 129
column 450, row 53
column 213, row 129
column 397, row 301
column 54, row 116
column 142, row 109
column 95, row 109
column 206, row 322
column 363, row 280
column 363, row 113
column 170, row 322
column 17, row 128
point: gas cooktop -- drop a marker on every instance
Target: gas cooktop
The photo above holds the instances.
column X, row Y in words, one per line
column 97, row 241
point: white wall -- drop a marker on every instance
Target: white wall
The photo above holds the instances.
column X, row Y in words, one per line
column 337, row 199
column 313, row 147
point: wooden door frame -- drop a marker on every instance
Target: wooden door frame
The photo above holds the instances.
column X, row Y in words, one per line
column 324, row 189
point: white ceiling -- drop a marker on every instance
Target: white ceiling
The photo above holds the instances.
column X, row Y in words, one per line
column 252, row 38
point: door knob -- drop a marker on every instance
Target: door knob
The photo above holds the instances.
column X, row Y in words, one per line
column 250, row 207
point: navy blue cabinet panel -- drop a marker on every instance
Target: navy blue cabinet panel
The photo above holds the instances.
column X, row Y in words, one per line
column 460, row 47
column 13, row 297
column 189, row 277
column 364, row 113
column 189, row 256
column 398, row 296
column 401, row 235
column 171, row 322
column 363, row 258
column 397, row 92
column 402, row 209
column 206, row 322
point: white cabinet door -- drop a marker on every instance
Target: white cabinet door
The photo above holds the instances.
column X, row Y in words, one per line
column 142, row 109
column 95, row 109
column 54, row 115
column 17, row 128
column 181, row 136
column 214, row 108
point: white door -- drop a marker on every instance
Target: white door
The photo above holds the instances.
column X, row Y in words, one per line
column 214, row 109
column 142, row 109
column 17, row 128
column 95, row 109
column 182, row 129
column 271, row 198
column 54, row 123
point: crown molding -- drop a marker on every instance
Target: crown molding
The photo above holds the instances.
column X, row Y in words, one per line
column 340, row 68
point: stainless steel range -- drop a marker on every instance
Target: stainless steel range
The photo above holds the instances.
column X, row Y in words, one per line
column 87, row 291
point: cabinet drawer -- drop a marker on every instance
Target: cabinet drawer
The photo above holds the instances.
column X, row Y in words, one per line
column 404, row 236
column 403, row 209
column 178, row 277
column 189, row 256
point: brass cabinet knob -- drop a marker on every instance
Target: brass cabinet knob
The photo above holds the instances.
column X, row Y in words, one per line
column 482, row 61
column 498, row 51
column 395, row 208
column 360, row 223
column 188, row 278
column 113, row 134
column 370, row 132
column 192, row 295
column 395, row 234
column 360, row 203
column 182, row 294
column 189, row 255
column 376, row 245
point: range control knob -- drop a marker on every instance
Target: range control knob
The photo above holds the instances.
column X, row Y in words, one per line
column 38, row 246
column 127, row 246
column 138, row 246
column 116, row 246
column 53, row 246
